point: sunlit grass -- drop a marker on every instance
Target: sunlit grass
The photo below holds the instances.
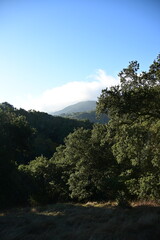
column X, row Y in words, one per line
column 89, row 221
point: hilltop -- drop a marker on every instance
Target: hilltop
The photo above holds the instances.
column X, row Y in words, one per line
column 84, row 106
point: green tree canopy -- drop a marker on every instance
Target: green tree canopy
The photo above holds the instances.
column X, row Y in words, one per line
column 133, row 107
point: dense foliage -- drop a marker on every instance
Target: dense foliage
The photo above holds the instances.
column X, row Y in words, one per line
column 134, row 129
column 25, row 135
column 119, row 160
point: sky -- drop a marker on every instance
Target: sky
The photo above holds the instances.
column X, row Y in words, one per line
column 54, row 53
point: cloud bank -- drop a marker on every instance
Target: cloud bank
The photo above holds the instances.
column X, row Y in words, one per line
column 59, row 97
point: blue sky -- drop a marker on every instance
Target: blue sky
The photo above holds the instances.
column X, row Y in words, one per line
column 57, row 52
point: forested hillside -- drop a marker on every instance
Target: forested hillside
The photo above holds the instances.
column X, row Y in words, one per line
column 46, row 131
column 91, row 116
column 118, row 161
column 25, row 135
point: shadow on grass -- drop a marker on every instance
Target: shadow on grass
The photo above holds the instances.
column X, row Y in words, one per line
column 81, row 222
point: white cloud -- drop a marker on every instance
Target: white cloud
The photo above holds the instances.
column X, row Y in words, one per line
column 59, row 97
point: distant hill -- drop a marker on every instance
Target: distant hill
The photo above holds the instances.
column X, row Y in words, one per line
column 82, row 111
column 91, row 116
column 85, row 106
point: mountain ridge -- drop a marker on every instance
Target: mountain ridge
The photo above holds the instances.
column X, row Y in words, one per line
column 84, row 106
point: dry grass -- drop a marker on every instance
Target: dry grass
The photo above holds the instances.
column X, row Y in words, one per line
column 90, row 221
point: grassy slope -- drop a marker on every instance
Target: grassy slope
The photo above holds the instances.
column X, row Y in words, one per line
column 81, row 222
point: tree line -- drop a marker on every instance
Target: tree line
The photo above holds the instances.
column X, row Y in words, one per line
column 119, row 160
